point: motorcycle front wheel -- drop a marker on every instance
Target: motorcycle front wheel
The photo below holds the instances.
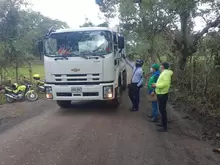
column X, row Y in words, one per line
column 9, row 99
column 32, row 96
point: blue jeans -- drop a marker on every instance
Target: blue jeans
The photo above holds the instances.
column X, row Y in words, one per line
column 154, row 110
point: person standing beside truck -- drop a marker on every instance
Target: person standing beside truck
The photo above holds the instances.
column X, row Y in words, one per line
column 137, row 80
column 162, row 89
column 151, row 91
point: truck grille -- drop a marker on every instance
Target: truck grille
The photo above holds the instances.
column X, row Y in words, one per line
column 84, row 94
column 77, row 77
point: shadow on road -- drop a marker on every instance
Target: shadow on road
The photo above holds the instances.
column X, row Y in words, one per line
column 88, row 107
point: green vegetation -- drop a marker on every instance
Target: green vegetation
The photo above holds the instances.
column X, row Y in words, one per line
column 20, row 31
column 155, row 31
column 159, row 31
column 24, row 71
column 88, row 23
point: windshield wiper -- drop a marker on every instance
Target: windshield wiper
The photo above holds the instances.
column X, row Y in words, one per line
column 61, row 58
column 98, row 55
column 96, row 49
column 89, row 54
column 93, row 52
column 72, row 55
column 82, row 56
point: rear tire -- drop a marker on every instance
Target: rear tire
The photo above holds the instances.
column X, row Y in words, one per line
column 64, row 103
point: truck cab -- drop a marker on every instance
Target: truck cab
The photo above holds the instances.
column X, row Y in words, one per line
column 84, row 64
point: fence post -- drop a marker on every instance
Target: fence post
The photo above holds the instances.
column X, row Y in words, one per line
column 30, row 71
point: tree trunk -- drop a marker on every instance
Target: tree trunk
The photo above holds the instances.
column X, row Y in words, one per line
column 182, row 61
column 192, row 62
column 16, row 71
column 153, row 56
column 207, row 72
column 30, row 71
column 1, row 75
column 159, row 59
column 184, row 49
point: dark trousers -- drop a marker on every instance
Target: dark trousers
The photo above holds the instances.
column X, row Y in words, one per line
column 162, row 101
column 134, row 95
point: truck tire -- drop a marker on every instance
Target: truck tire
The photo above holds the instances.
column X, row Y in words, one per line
column 124, row 83
column 64, row 103
column 117, row 100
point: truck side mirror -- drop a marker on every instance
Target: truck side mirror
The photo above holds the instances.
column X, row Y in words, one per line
column 99, row 2
column 121, row 42
column 40, row 46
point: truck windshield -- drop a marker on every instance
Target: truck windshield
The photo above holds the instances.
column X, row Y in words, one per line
column 79, row 43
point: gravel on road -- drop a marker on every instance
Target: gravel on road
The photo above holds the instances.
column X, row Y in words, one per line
column 91, row 134
column 41, row 133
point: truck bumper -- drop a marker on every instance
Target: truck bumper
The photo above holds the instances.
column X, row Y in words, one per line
column 86, row 92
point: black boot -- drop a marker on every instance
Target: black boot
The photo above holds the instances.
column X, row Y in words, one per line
column 159, row 125
column 132, row 108
column 162, row 130
column 150, row 116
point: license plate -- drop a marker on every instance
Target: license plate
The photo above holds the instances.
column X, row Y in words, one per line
column 76, row 90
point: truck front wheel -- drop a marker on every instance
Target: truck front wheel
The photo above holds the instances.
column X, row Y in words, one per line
column 124, row 85
column 64, row 103
column 117, row 100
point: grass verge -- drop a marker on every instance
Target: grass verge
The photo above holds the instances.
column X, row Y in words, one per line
column 24, row 71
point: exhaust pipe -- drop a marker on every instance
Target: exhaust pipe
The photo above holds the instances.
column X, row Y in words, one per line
column 11, row 96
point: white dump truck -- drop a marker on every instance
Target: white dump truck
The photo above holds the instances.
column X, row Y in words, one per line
column 84, row 64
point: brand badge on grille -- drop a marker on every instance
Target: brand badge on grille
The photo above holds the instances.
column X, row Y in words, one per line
column 75, row 70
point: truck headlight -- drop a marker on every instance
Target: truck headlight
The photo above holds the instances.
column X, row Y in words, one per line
column 108, row 92
column 49, row 92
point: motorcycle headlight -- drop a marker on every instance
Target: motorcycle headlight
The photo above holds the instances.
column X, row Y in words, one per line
column 108, row 92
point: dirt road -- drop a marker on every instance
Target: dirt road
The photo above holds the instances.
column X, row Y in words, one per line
column 92, row 134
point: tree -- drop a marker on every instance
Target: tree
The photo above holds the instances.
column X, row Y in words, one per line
column 104, row 24
column 88, row 23
column 147, row 18
column 19, row 32
column 163, row 30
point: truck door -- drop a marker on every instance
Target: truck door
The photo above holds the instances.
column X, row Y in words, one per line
column 117, row 55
